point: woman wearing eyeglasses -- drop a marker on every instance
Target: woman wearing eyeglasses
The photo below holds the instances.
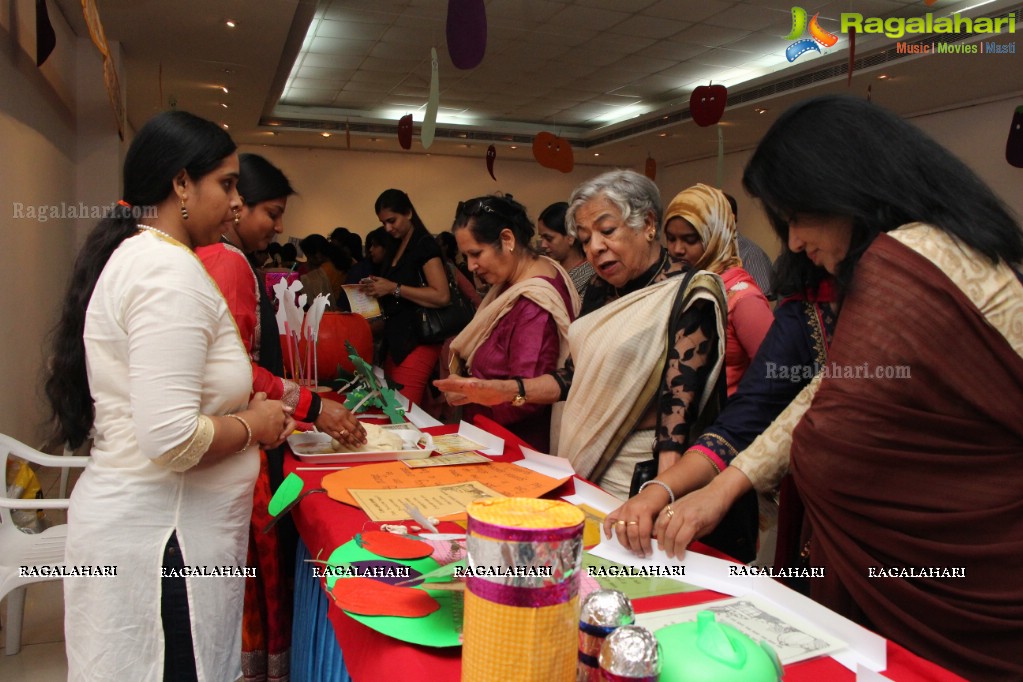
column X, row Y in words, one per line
column 521, row 327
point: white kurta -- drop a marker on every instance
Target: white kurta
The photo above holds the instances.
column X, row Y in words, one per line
column 161, row 349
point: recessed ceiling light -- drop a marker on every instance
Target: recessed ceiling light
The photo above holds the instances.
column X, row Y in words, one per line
column 883, row 77
column 224, row 88
column 759, row 110
column 596, row 153
column 223, row 104
column 514, row 146
column 230, row 24
column 325, row 134
column 225, row 125
column 662, row 134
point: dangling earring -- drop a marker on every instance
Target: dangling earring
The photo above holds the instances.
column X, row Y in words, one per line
column 184, row 211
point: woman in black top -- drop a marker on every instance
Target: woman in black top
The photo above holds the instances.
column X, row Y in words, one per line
column 412, row 277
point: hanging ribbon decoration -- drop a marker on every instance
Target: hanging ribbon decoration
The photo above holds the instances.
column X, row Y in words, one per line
column 429, row 126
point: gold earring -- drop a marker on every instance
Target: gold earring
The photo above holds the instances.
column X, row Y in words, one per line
column 184, row 211
column 511, row 249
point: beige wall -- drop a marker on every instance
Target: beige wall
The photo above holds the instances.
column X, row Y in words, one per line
column 50, row 119
column 339, row 188
column 976, row 134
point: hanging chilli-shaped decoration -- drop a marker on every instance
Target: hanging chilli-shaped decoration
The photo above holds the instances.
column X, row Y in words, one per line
column 348, row 135
column 430, row 120
column 651, row 167
column 405, row 131
column 491, row 157
column 721, row 157
column 467, row 32
column 1014, row 145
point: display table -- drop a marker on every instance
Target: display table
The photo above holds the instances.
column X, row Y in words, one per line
column 322, row 631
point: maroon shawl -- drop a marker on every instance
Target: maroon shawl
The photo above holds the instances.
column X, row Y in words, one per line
column 919, row 472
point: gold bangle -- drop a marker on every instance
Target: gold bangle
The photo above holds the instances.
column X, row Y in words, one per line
column 248, row 433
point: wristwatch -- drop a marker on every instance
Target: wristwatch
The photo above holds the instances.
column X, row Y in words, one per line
column 520, row 399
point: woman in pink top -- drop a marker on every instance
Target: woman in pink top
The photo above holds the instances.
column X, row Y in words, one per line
column 700, row 229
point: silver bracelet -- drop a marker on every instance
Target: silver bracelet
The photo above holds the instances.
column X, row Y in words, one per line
column 397, row 291
column 660, row 483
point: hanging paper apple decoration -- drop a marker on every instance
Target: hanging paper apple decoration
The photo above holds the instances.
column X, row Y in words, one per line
column 491, row 155
column 651, row 168
column 405, row 131
column 551, row 151
column 707, row 104
column 466, row 32
column 1014, row 145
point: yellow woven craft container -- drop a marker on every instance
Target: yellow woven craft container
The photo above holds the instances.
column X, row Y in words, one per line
column 521, row 598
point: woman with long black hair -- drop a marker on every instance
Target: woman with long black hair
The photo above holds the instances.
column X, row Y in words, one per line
column 147, row 362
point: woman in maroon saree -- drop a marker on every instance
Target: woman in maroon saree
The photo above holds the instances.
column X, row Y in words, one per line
column 908, row 450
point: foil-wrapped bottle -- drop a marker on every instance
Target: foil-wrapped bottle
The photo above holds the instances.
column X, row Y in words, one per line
column 630, row 654
column 602, row 613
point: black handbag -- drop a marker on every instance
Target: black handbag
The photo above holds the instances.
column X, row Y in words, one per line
column 435, row 325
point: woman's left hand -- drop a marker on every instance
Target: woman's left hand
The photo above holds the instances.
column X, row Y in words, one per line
column 691, row 517
column 377, row 286
column 633, row 522
column 289, row 427
column 338, row 422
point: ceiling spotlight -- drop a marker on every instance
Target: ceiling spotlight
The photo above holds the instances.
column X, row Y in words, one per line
column 231, row 24
column 759, row 110
column 662, row 134
column 514, row 146
column 224, row 89
column 883, row 77
column 325, row 134
column 225, row 126
column 223, row 105
column 596, row 153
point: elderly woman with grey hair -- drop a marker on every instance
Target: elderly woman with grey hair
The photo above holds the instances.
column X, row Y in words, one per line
column 646, row 367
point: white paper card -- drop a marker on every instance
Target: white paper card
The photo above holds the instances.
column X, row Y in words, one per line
column 492, row 445
column 592, row 496
column 420, row 418
column 548, row 465
column 794, row 639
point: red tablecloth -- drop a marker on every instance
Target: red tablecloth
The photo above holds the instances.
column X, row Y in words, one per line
column 325, row 524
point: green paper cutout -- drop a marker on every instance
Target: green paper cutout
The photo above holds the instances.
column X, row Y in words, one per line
column 287, row 493
column 442, row 628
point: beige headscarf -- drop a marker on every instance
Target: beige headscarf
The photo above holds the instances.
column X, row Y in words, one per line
column 707, row 210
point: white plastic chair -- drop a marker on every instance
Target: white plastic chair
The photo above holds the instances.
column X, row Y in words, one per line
column 19, row 549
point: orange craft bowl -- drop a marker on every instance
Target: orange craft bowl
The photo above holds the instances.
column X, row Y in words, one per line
column 335, row 329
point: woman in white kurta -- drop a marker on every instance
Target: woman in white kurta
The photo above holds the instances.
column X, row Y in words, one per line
column 175, row 436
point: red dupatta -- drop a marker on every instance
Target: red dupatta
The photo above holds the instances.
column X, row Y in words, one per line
column 919, row 472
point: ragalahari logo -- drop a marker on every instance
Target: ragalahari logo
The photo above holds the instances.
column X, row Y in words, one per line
column 818, row 36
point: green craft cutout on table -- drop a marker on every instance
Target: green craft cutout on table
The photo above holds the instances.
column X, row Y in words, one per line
column 633, row 587
column 287, row 492
column 441, row 628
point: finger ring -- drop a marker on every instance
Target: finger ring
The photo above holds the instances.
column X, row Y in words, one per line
column 669, row 511
column 619, row 522
column 632, row 523
column 343, row 432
